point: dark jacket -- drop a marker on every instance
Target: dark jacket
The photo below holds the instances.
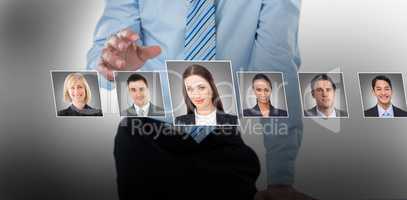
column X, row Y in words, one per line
column 314, row 113
column 255, row 112
column 221, row 119
column 152, row 163
column 374, row 112
column 86, row 111
column 153, row 110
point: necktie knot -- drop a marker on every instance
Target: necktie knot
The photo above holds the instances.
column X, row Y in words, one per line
column 141, row 112
column 386, row 114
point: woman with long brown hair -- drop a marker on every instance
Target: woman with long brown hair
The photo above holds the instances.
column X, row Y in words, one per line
column 204, row 106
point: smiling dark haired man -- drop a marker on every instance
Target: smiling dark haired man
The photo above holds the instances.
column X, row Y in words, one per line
column 140, row 94
column 382, row 89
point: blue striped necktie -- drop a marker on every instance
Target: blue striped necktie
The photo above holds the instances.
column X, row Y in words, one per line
column 200, row 35
column 200, row 42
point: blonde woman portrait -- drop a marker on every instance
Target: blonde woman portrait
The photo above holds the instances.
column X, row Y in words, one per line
column 78, row 93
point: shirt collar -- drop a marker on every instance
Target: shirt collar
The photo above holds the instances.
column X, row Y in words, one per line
column 333, row 113
column 145, row 108
column 389, row 110
column 209, row 119
column 213, row 113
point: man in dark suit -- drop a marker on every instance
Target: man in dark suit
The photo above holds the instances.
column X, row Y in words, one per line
column 323, row 90
column 140, row 94
column 383, row 91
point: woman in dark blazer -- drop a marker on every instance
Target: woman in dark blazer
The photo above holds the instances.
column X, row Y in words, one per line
column 78, row 93
column 262, row 87
column 204, row 106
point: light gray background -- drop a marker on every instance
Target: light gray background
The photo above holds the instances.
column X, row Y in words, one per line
column 369, row 100
column 44, row 157
column 247, row 97
column 154, row 85
column 222, row 75
column 58, row 78
column 308, row 101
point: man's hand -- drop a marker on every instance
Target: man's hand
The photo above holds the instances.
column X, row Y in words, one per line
column 121, row 53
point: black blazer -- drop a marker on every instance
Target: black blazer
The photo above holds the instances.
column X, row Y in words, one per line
column 153, row 110
column 314, row 113
column 255, row 112
column 86, row 111
column 221, row 119
column 374, row 112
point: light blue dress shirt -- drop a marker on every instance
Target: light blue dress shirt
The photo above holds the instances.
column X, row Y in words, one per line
column 321, row 114
column 254, row 34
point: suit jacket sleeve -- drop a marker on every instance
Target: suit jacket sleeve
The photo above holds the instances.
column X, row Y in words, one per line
column 123, row 149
